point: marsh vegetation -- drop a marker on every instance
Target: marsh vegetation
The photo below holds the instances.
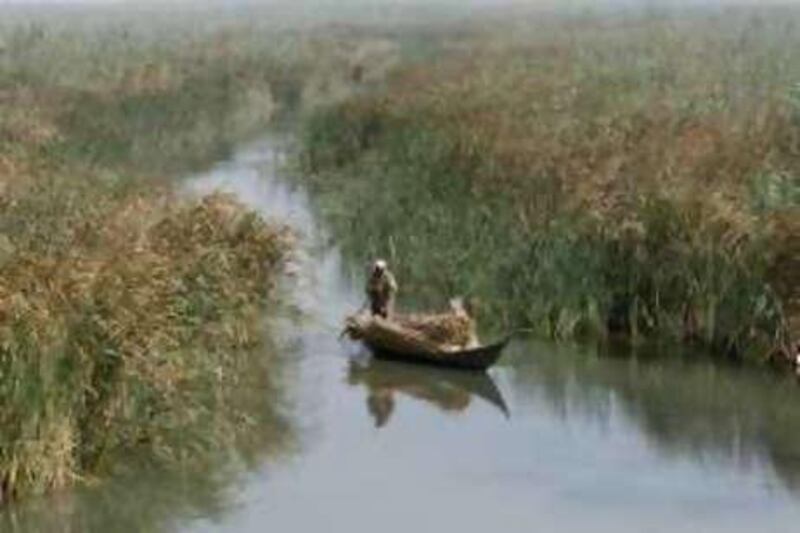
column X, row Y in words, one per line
column 129, row 316
column 585, row 175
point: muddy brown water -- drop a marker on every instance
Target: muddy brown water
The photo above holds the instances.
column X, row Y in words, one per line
column 553, row 439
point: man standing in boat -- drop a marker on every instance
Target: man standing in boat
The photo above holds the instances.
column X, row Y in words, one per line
column 381, row 289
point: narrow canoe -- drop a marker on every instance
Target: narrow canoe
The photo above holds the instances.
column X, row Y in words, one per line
column 475, row 359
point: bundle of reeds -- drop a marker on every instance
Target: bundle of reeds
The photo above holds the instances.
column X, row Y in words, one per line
column 453, row 327
column 390, row 335
column 427, row 333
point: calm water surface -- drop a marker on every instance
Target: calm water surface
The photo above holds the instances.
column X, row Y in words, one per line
column 555, row 439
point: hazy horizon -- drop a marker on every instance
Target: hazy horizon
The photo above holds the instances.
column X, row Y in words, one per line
column 404, row 3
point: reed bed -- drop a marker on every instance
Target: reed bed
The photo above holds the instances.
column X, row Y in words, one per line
column 99, row 345
column 132, row 319
column 586, row 176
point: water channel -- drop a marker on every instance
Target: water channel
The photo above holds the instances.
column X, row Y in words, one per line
column 553, row 439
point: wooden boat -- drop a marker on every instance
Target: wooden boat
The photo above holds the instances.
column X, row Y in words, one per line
column 420, row 340
column 475, row 359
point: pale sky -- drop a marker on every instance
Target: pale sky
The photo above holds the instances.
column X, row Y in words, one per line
column 407, row 2
column 429, row 3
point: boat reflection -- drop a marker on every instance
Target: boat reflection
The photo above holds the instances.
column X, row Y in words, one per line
column 448, row 390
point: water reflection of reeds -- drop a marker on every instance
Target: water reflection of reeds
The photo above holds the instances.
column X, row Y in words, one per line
column 238, row 425
column 684, row 406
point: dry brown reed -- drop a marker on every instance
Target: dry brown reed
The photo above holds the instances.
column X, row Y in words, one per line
column 593, row 174
column 121, row 310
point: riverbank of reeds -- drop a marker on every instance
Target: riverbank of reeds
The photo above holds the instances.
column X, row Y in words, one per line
column 131, row 318
column 585, row 176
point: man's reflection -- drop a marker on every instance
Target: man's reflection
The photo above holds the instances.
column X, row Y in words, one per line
column 380, row 403
column 449, row 391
